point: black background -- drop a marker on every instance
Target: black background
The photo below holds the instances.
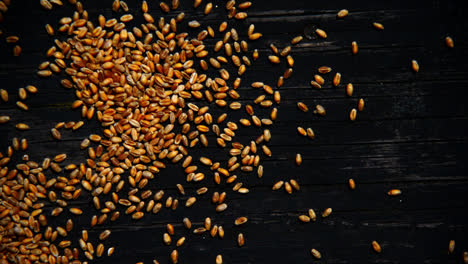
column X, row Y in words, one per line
column 412, row 135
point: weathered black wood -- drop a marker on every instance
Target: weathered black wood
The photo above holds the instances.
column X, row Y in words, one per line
column 413, row 135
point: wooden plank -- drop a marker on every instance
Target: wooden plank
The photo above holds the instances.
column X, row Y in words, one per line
column 412, row 135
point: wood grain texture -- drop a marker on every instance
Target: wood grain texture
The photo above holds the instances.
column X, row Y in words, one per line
column 413, row 135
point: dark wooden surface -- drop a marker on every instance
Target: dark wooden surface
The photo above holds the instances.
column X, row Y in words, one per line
column 412, row 135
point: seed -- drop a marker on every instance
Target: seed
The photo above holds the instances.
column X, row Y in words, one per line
column 180, row 188
column 316, row 253
column 354, row 47
column 148, row 18
column 199, row 230
column 180, row 241
column 138, row 215
column 244, row 46
column 249, row 109
column 245, row 5
column 241, row 15
column 352, row 114
column 260, row 171
column 320, row 110
column 326, row 212
column 46, row 4
column 99, row 250
column 255, row 54
column 255, row 36
column 376, row 246
column 56, row 211
column 61, row 231
column 110, row 251
column 215, row 63
column 352, row 184
column 55, row 134
column 319, row 79
column 22, row 93
column 32, row 89
column 220, row 232
column 451, row 247
column 287, row 187
column 22, row 126
column 193, row 24
column 77, row 125
column 274, row 113
column 287, row 73
column 296, row 40
column 274, row 48
column 104, row 234
column 321, row 33
column 57, row 2
column 298, row 159
column 266, row 150
column 221, row 207
column 76, row 211
column 22, row 105
column 378, row 26
column 164, row 7
column 310, row 133
column 174, row 256
column 274, row 59
column 240, row 221
column 175, row 4
column 349, row 89
column 240, row 240
column 415, row 65
column 277, row 185
column 223, row 26
column 219, row 259
column 290, row 60
column 4, row 95
column 60, row 125
column 167, row 239
column 88, row 255
column 190, row 201
column 302, row 131
column 258, row 85
column 465, row 257
column 44, row 73
column 144, row 7
column 449, row 42
column 228, row 50
column 208, row 8
column 394, row 192
column 170, row 229
column 361, row 104
column 126, row 18
column 302, row 107
column 342, row 13
column 12, row 39
column 324, row 69
column 4, row 119
column 235, row 105
column 60, row 157
column 315, row 84
column 180, row 17
column 312, row 214
column 304, row 218
column 44, row 65
column 187, row 223
column 94, row 220
column 337, row 79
